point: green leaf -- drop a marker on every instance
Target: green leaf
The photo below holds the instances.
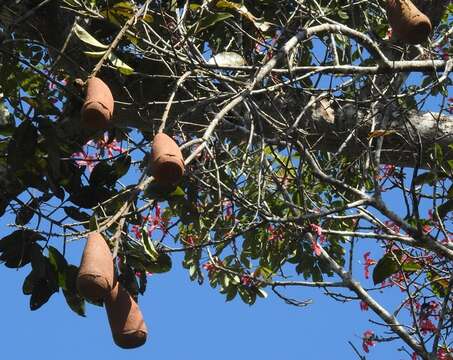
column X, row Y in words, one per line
column 121, row 166
column 22, row 147
column 143, row 282
column 162, row 264
column 439, row 285
column 445, row 208
column 59, row 264
column 102, row 174
column 246, row 295
column 386, row 267
column 85, row 36
column 76, row 214
column 231, row 293
column 149, row 246
column 94, row 54
column 178, row 192
column 17, row 248
column 29, row 282
column 26, row 213
column 120, row 65
column 390, row 264
column 75, row 302
column 410, row 266
column 107, row 174
column 93, row 225
column 90, row 196
column 42, row 291
column 211, row 20
column 342, row 14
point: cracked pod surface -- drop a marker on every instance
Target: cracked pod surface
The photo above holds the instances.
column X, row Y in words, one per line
column 96, row 277
column 408, row 23
column 97, row 110
column 167, row 160
column 125, row 318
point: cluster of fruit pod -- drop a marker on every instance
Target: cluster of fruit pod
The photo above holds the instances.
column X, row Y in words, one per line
column 97, row 282
column 408, row 23
column 167, row 162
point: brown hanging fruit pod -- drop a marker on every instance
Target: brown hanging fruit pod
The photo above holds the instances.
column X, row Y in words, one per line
column 408, row 23
column 167, row 160
column 96, row 274
column 125, row 318
column 97, row 109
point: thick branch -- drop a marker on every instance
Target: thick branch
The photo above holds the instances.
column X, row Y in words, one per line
column 328, row 131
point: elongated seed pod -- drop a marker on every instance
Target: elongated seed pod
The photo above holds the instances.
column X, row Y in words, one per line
column 126, row 320
column 167, row 160
column 96, row 274
column 408, row 23
column 97, row 110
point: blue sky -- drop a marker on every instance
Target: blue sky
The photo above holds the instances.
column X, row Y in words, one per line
column 185, row 319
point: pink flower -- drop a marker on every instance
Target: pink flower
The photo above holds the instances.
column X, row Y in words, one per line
column 111, row 146
column 190, row 240
column 444, row 354
column 427, row 229
column 368, row 340
column 246, row 280
column 156, row 221
column 275, row 233
column 136, row 231
column 385, row 171
column 367, row 263
column 363, row 305
column 316, row 247
column 209, row 267
column 388, row 35
column 83, row 159
column 318, row 231
column 427, row 326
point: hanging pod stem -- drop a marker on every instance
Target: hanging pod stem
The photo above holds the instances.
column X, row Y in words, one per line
column 408, row 23
column 167, row 160
column 96, row 279
column 97, row 110
column 126, row 320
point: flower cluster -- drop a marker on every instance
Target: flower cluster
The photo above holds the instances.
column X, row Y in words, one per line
column 212, row 266
column 275, row 233
column 427, row 310
column 368, row 340
column 442, row 354
column 85, row 157
column 367, row 262
column 151, row 222
column 246, row 280
column 320, row 238
column 386, row 171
